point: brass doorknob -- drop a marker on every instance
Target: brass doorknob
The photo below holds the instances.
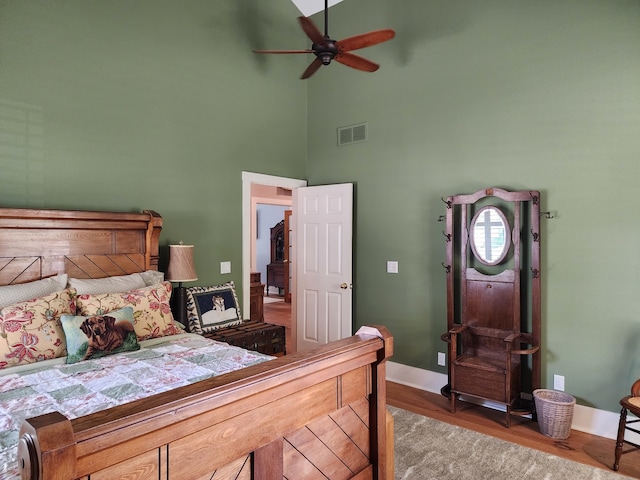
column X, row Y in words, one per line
column 344, row 286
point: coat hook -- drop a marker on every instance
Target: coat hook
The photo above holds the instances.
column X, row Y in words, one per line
column 447, row 267
column 447, row 202
column 447, row 236
column 535, row 198
column 547, row 215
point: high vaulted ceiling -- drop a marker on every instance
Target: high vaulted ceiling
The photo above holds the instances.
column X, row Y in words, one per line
column 309, row 7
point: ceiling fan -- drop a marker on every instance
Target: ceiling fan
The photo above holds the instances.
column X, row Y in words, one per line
column 326, row 49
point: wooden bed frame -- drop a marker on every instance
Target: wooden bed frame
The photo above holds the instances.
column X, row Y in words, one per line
column 316, row 414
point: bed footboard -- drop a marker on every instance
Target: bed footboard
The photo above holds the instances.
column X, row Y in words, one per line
column 317, row 414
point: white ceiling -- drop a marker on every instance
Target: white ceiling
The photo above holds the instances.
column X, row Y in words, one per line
column 309, row 7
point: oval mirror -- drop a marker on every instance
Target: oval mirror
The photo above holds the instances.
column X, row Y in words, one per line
column 490, row 235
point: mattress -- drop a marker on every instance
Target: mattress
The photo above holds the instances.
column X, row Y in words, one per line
column 89, row 386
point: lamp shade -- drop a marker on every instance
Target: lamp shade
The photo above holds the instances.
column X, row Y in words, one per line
column 181, row 268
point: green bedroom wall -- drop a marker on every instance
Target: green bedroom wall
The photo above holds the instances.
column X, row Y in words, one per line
column 120, row 105
column 515, row 94
column 159, row 104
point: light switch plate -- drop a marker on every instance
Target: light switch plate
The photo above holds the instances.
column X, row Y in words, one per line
column 392, row 267
column 558, row 382
column 225, row 267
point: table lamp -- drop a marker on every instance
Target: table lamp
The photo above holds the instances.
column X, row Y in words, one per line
column 181, row 269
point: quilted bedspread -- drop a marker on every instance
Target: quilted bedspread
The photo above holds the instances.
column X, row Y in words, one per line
column 82, row 388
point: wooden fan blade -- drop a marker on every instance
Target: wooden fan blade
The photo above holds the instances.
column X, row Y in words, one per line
column 312, row 31
column 283, row 51
column 355, row 61
column 312, row 68
column 365, row 40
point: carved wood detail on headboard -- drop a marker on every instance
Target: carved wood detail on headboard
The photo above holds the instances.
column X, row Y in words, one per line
column 40, row 243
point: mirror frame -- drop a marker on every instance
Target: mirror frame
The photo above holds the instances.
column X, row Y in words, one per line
column 507, row 236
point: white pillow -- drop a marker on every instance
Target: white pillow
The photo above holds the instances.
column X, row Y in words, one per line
column 22, row 292
column 97, row 286
column 152, row 277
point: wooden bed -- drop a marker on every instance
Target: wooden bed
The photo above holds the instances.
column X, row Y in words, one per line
column 316, row 414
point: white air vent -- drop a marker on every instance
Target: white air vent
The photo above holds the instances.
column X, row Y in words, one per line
column 352, row 134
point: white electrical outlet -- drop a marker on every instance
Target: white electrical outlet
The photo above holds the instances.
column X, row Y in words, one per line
column 441, row 359
column 225, row 267
column 558, row 383
column 392, row 266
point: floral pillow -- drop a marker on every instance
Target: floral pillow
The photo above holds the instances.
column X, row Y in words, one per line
column 97, row 336
column 151, row 310
column 31, row 331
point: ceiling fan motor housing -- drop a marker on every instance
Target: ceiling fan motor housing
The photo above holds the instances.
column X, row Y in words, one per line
column 326, row 52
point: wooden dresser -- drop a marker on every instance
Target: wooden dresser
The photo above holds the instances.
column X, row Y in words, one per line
column 275, row 275
column 275, row 269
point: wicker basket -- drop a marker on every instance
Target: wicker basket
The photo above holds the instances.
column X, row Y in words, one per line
column 555, row 412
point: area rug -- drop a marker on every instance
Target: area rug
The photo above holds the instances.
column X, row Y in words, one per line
column 428, row 449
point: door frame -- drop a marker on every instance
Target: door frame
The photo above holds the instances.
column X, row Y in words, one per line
column 248, row 213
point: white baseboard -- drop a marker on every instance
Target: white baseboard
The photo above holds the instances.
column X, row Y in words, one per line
column 585, row 419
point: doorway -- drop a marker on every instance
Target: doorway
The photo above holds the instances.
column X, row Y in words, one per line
column 262, row 189
column 321, row 284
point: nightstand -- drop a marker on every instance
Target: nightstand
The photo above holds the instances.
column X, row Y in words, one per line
column 256, row 298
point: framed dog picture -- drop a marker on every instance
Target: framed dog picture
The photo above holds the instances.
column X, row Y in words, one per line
column 211, row 308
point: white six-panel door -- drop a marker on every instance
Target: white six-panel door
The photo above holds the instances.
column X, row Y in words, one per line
column 322, row 231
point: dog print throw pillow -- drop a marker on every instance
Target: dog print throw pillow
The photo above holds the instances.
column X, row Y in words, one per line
column 96, row 336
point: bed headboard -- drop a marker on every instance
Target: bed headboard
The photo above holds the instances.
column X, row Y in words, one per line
column 40, row 243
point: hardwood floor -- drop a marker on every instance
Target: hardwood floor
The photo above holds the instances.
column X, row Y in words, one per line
column 279, row 313
column 579, row 447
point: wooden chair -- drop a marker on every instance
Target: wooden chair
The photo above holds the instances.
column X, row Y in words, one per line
column 630, row 403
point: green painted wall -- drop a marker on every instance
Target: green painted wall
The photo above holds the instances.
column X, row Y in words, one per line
column 121, row 105
column 516, row 94
column 127, row 105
